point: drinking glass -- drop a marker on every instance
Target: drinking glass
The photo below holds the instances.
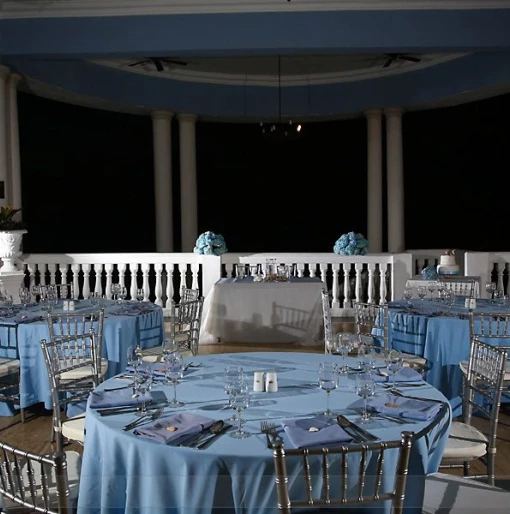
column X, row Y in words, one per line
column 115, row 292
column 143, row 385
column 365, row 387
column 328, row 380
column 24, row 296
column 431, row 287
column 345, row 344
column 134, row 358
column 122, row 294
column 408, row 296
column 174, row 369
column 440, row 290
column 36, row 293
column 239, row 399
column 366, row 354
column 232, row 378
column 422, row 292
column 491, row 287
column 140, row 294
column 394, row 364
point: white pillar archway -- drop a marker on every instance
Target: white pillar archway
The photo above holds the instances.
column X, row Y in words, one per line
column 162, row 147
column 14, row 193
column 188, row 164
column 395, row 180
column 4, row 124
column 374, row 181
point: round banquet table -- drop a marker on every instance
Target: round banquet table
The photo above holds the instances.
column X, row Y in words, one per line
column 123, row 472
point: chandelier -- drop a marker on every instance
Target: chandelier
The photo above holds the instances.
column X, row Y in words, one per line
column 282, row 130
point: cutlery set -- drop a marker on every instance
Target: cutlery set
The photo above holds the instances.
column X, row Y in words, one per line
column 143, row 420
column 205, row 438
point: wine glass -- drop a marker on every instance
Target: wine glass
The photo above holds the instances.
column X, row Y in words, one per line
column 122, row 294
column 328, row 380
column 440, row 290
column 174, row 369
column 431, row 286
column 491, row 287
column 394, row 364
column 365, row 387
column 422, row 292
column 36, row 292
column 366, row 353
column 140, row 294
column 239, row 399
column 134, row 358
column 408, row 296
column 345, row 344
column 232, row 378
column 115, row 291
column 143, row 385
column 24, row 296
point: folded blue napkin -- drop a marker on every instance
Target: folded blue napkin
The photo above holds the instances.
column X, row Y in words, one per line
column 404, row 407
column 120, row 398
column 405, row 374
column 315, row 431
column 170, row 428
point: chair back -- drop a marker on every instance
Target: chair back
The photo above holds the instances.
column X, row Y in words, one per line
column 186, row 320
column 371, row 320
column 484, row 381
column 188, row 294
column 460, row 286
column 325, row 478
column 328, row 324
column 39, row 482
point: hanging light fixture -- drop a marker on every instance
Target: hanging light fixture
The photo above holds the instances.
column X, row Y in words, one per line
column 282, row 130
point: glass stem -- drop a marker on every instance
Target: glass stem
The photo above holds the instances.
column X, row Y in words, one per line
column 365, row 408
column 239, row 420
column 175, row 391
column 327, row 403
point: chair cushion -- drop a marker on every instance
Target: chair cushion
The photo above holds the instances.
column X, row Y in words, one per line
column 465, row 442
column 74, row 428
column 84, row 371
column 449, row 494
column 8, row 366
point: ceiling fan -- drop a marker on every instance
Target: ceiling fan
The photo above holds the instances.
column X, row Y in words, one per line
column 391, row 58
column 159, row 62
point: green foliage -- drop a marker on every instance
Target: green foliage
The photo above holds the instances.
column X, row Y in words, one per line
column 7, row 221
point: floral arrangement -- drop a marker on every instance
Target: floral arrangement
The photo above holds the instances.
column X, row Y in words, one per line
column 429, row 273
column 210, row 243
column 351, row 243
column 7, row 221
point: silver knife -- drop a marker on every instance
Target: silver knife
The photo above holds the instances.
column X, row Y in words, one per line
column 207, row 442
column 346, row 423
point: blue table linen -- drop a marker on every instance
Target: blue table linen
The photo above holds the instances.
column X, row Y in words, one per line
column 182, row 424
column 329, row 432
column 404, row 407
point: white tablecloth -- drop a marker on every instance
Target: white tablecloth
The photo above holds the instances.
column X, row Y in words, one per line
column 243, row 311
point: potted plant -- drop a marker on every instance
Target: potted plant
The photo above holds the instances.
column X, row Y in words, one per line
column 11, row 233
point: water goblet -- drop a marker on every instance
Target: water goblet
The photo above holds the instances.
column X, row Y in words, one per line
column 365, row 387
column 491, row 288
column 36, row 292
column 328, row 380
column 140, row 294
column 122, row 294
column 431, row 286
column 115, row 291
column 422, row 292
column 366, row 353
column 174, row 369
column 24, row 296
column 394, row 364
column 345, row 344
column 408, row 296
column 134, row 358
column 232, row 378
column 440, row 290
column 239, row 400
column 143, row 385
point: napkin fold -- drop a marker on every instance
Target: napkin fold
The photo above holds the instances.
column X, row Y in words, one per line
column 299, row 433
column 120, row 398
column 422, row 410
column 405, row 374
column 170, row 428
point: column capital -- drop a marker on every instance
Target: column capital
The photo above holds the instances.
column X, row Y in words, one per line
column 186, row 116
column 162, row 115
column 373, row 113
column 4, row 71
column 393, row 111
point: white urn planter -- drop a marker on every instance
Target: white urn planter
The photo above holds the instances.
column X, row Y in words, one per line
column 10, row 249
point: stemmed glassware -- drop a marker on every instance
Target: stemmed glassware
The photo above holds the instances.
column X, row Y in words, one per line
column 328, row 380
column 143, row 385
column 394, row 364
column 140, row 294
column 440, row 290
column 239, row 399
column 366, row 354
column 365, row 387
column 134, row 359
column 491, row 288
column 24, row 296
column 345, row 345
column 422, row 292
column 431, row 286
column 115, row 289
column 408, row 296
column 174, row 369
column 122, row 294
column 36, row 292
column 232, row 379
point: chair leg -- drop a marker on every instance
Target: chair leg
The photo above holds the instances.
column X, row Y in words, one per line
column 22, row 414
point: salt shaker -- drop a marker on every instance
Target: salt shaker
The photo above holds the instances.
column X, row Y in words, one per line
column 271, row 382
column 258, row 381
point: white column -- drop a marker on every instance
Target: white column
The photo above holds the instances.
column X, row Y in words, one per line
column 374, row 181
column 4, row 124
column 395, row 180
column 162, row 148
column 14, row 196
column 188, row 162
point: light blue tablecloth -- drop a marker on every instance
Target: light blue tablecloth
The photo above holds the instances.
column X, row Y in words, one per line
column 122, row 472
column 124, row 325
column 443, row 340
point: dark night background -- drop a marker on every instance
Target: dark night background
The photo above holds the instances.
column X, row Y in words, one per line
column 87, row 178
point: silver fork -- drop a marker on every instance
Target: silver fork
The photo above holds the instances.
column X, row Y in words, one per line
column 145, row 419
column 268, row 428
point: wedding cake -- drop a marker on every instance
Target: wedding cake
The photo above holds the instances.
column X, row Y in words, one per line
column 447, row 264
